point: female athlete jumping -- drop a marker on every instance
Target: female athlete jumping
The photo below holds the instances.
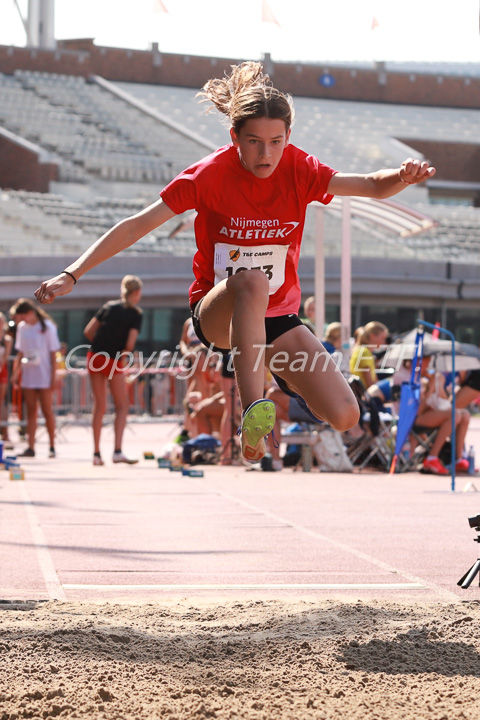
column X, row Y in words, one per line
column 251, row 197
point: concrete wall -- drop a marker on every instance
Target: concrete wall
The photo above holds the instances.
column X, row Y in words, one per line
column 82, row 57
column 23, row 166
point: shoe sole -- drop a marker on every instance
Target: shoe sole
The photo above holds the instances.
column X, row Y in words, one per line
column 257, row 423
column 125, row 462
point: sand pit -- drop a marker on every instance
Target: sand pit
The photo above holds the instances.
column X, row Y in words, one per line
column 251, row 659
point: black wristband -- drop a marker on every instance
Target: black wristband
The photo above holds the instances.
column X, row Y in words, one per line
column 72, row 276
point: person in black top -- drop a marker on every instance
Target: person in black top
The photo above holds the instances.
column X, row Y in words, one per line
column 113, row 331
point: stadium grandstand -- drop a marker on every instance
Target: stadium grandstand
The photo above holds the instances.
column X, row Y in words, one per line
column 90, row 135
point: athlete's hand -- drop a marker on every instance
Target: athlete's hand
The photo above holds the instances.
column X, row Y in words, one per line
column 415, row 171
column 49, row 289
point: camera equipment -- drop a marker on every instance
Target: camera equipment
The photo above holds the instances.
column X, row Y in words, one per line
column 474, row 522
column 469, row 576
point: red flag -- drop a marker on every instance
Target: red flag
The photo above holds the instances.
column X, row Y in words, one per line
column 267, row 14
column 158, row 6
column 375, row 23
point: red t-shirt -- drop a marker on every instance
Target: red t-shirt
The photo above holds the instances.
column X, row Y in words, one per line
column 244, row 221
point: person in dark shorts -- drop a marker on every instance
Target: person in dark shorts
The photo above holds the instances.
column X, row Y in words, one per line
column 112, row 331
column 469, row 390
column 34, row 367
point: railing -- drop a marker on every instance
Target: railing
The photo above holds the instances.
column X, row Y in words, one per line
column 155, row 393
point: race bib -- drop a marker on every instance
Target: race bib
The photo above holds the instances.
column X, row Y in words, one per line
column 271, row 259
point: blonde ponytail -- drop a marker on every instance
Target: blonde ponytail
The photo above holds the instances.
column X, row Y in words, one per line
column 130, row 283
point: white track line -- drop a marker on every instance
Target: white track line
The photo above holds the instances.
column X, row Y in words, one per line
column 445, row 594
column 254, row 586
column 54, row 587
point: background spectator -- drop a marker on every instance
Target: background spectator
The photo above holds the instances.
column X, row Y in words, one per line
column 112, row 331
column 37, row 345
column 362, row 360
column 6, row 342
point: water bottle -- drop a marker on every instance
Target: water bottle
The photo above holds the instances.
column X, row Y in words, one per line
column 406, row 450
column 471, row 460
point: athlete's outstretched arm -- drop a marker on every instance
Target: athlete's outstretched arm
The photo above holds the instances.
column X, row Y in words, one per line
column 121, row 236
column 382, row 183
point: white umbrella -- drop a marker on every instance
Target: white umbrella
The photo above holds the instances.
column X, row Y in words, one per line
column 467, row 357
column 443, row 363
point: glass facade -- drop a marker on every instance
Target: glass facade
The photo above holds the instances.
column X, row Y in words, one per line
column 465, row 324
column 398, row 319
column 162, row 327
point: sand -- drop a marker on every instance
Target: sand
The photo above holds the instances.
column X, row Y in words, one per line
column 254, row 659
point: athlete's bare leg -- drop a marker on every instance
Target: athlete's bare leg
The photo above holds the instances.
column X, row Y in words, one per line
column 45, row 397
column 302, row 361
column 118, row 389
column 30, row 397
column 99, row 390
column 232, row 315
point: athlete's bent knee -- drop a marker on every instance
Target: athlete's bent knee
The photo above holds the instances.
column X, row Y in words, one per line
column 251, row 282
column 345, row 417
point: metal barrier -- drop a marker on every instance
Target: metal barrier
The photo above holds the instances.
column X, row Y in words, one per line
column 154, row 393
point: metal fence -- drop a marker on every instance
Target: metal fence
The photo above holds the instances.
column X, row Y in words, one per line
column 155, row 393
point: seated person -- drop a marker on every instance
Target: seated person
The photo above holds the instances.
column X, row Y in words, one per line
column 333, row 337
column 189, row 337
column 383, row 392
column 288, row 410
column 232, row 414
column 469, row 390
column 362, row 359
column 435, row 411
column 205, row 415
column 309, row 312
column 199, row 369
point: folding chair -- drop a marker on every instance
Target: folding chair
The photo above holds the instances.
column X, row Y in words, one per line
column 422, row 438
column 376, row 442
column 307, row 437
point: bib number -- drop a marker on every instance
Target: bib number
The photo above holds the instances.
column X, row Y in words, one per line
column 270, row 259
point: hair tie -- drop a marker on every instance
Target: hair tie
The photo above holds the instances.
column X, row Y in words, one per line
column 66, row 272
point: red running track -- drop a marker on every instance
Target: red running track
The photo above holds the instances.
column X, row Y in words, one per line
column 73, row 531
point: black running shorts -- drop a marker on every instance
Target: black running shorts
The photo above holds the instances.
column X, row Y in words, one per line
column 274, row 327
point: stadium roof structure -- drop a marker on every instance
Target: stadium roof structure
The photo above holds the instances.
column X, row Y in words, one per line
column 394, row 216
